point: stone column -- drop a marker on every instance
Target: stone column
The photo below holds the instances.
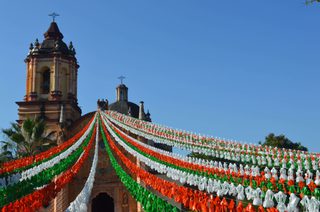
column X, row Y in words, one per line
column 56, row 92
column 69, row 89
column 76, row 84
column 70, row 78
column 117, row 199
column 33, row 76
column 33, row 80
column 28, row 80
column 73, row 80
column 56, row 71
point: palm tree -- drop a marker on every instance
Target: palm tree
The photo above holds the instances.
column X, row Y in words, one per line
column 26, row 140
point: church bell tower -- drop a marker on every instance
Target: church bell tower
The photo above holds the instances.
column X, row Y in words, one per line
column 51, row 84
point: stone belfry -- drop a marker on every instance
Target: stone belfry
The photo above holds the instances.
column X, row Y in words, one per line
column 51, row 85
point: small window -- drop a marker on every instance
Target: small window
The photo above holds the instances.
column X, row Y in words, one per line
column 121, row 95
column 45, row 85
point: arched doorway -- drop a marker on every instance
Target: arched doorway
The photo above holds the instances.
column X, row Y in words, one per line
column 101, row 203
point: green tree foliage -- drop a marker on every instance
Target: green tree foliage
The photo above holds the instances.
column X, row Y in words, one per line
column 29, row 139
column 282, row 141
column 311, row 1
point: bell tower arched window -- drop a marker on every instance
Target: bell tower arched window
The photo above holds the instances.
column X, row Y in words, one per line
column 45, row 84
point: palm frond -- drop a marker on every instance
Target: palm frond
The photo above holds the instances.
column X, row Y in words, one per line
column 15, row 127
column 17, row 138
column 27, row 129
column 29, row 139
column 38, row 130
column 8, row 132
column 28, row 125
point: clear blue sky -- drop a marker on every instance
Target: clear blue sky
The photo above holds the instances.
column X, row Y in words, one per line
column 234, row 69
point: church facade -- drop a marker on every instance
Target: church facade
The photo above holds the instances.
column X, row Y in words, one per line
column 51, row 94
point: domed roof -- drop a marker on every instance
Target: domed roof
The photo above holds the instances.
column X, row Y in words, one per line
column 122, row 86
column 53, row 33
column 123, row 107
column 52, row 44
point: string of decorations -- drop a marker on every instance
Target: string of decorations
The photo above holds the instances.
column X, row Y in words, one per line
column 290, row 181
column 81, row 201
column 233, row 150
column 203, row 182
column 247, row 176
column 20, row 164
column 45, row 164
column 46, row 193
column 148, row 200
column 27, row 186
column 215, row 185
column 192, row 137
column 191, row 199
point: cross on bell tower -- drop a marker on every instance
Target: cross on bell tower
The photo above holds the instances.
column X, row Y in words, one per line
column 121, row 78
column 53, row 15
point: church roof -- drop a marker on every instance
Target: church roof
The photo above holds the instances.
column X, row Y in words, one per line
column 123, row 107
column 122, row 86
column 53, row 33
column 52, row 44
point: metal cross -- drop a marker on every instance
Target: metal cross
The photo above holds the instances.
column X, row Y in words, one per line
column 121, row 78
column 54, row 15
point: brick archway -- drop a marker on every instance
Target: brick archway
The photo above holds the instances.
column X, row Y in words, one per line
column 102, row 202
column 110, row 191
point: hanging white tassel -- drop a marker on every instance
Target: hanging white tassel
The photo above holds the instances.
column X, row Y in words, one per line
column 257, row 197
column 281, row 199
column 268, row 200
column 240, row 191
column 293, row 203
